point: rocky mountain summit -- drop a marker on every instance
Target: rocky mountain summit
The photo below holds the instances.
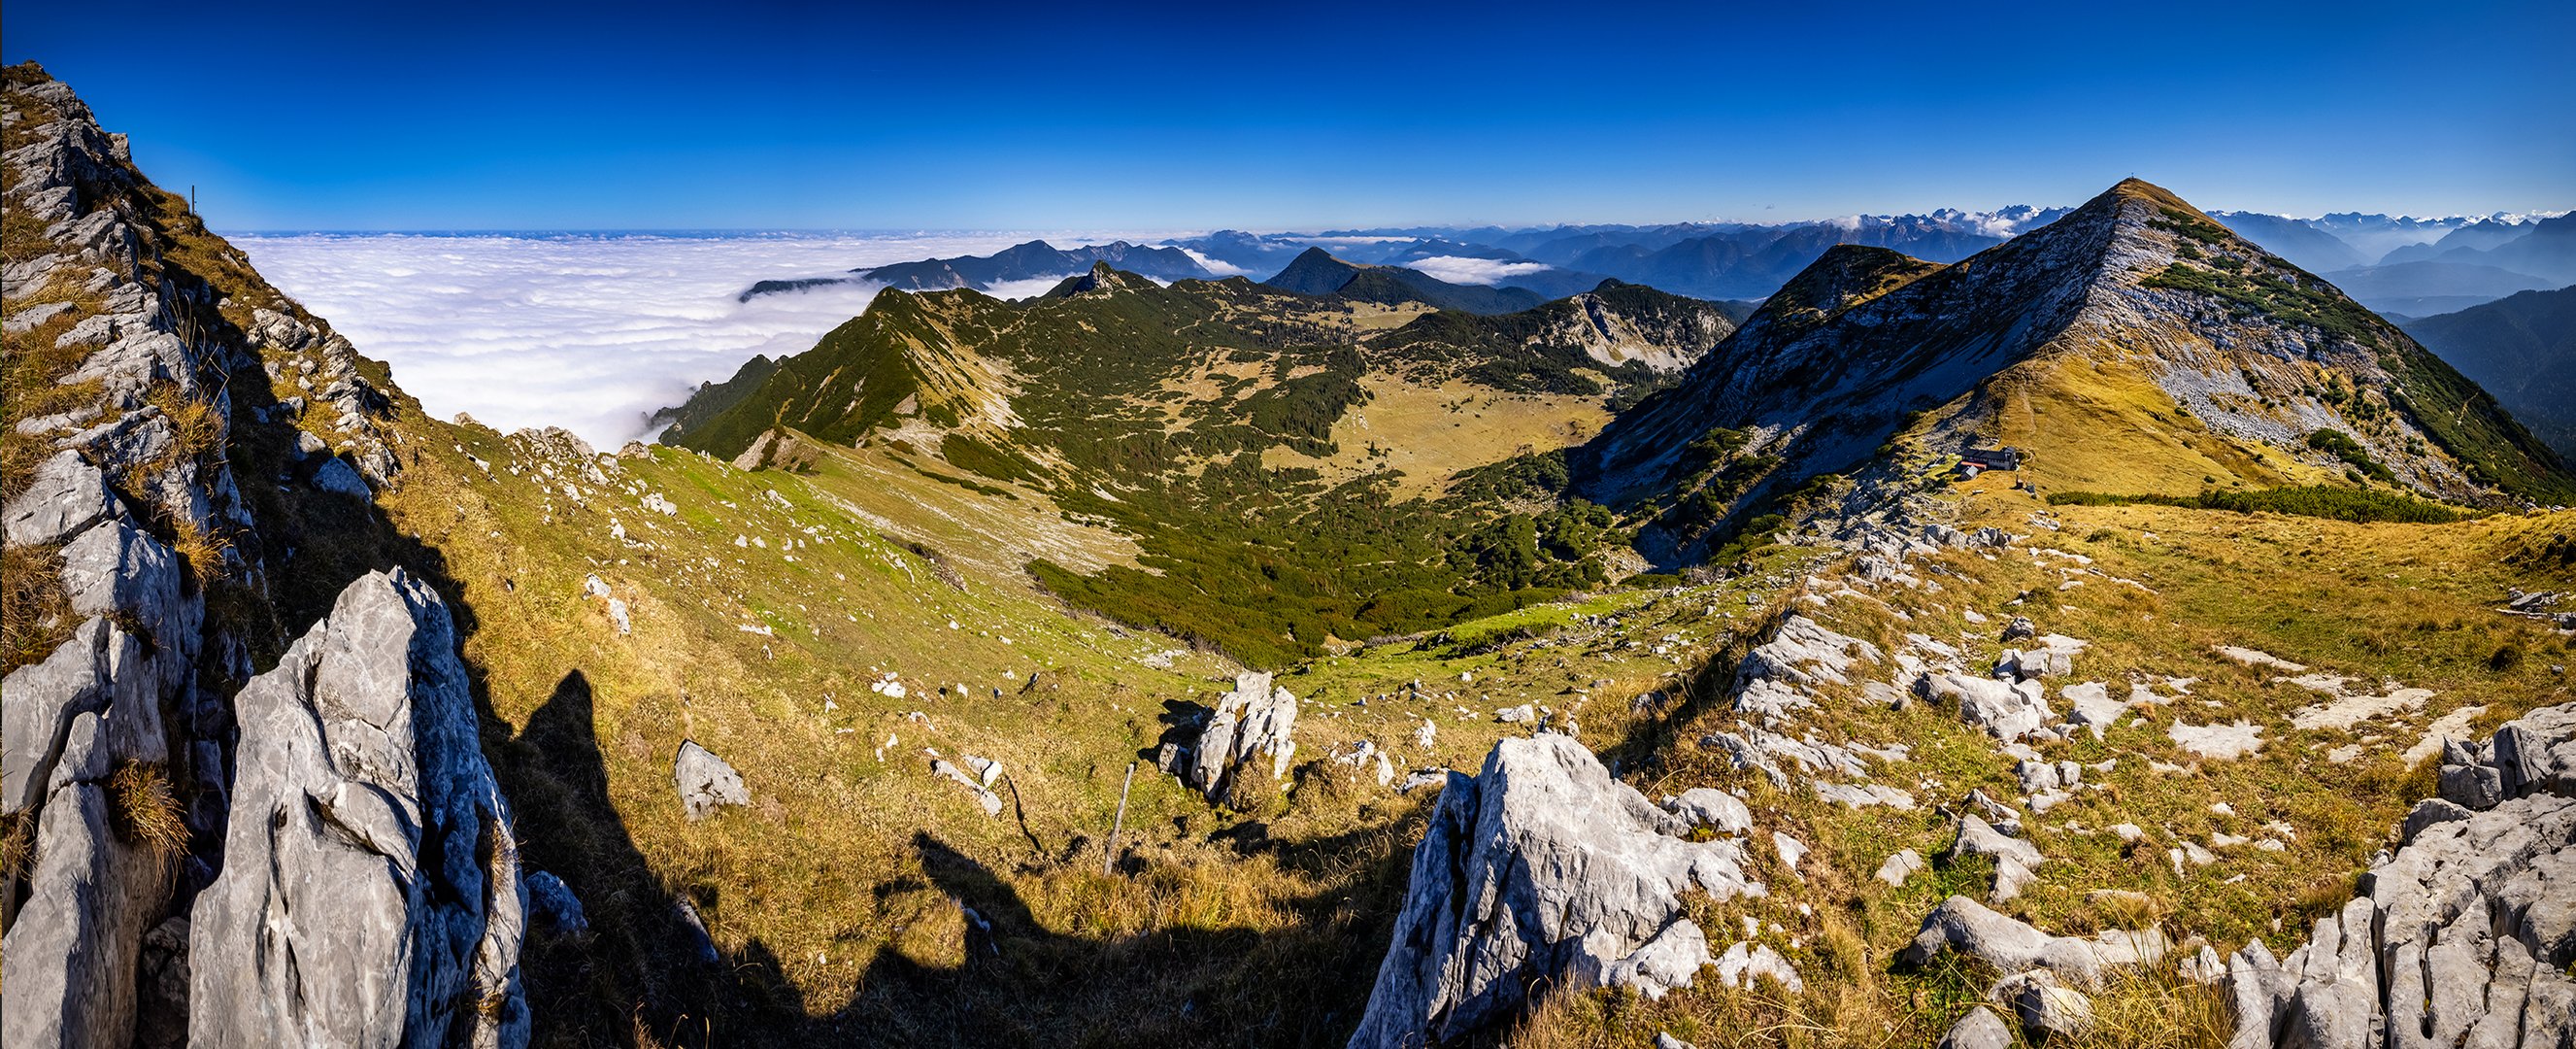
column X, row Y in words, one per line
column 2129, row 304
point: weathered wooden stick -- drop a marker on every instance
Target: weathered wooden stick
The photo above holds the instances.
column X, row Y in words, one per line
column 1110, row 855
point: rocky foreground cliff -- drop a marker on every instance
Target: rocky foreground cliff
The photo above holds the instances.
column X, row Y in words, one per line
column 196, row 853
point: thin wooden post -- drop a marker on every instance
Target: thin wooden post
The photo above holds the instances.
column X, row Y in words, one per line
column 1110, row 855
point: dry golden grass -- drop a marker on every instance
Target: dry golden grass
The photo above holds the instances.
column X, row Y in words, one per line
column 17, row 846
column 2095, row 423
column 146, row 813
column 34, row 616
column 1432, row 432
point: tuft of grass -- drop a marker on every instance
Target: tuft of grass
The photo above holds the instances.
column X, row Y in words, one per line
column 202, row 551
column 146, row 812
column 17, row 845
column 34, row 617
column 2120, row 909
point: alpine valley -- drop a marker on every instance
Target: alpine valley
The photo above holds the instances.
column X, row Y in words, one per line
column 2108, row 625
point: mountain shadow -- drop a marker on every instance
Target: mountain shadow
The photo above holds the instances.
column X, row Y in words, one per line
column 645, row 975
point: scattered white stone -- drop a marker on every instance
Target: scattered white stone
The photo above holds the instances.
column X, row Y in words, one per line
column 1790, row 850
column 2258, row 658
column 1741, row 963
column 1900, row 867
column 2221, row 742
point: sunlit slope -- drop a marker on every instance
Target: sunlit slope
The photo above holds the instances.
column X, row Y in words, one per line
column 2133, row 345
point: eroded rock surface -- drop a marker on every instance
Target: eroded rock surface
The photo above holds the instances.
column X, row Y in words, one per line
column 2463, row 937
column 1541, row 871
column 363, row 796
column 1256, row 720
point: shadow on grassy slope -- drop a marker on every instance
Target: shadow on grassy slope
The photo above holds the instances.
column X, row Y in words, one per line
column 638, row 977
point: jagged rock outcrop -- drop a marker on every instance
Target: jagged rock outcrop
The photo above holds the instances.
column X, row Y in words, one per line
column 370, row 893
column 78, row 722
column 131, row 369
column 87, row 762
column 2535, row 753
column 1255, row 720
column 1541, row 869
column 2463, row 937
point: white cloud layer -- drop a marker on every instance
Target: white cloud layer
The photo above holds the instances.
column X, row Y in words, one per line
column 588, row 332
column 1460, row 270
column 1218, row 267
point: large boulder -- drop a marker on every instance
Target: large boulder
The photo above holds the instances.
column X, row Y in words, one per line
column 706, row 782
column 362, row 796
column 1541, row 870
column 1255, row 720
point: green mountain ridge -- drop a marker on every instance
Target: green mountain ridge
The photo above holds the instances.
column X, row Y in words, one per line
column 2522, row 349
column 1207, row 417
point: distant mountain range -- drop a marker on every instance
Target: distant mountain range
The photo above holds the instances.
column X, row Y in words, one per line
column 1034, row 260
column 1317, row 272
column 2401, row 266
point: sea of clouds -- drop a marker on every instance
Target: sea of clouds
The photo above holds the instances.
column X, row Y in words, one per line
column 589, row 332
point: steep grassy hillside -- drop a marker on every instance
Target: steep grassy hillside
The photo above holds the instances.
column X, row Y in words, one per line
column 2521, row 349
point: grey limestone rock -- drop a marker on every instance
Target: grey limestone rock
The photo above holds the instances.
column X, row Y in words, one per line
column 2012, row 946
column 2009, row 711
column 1979, row 1029
column 362, row 794
column 2463, row 936
column 66, row 496
column 339, row 478
column 1712, row 808
column 1256, row 720
column 553, row 907
column 706, row 782
column 2045, row 1007
column 1541, row 870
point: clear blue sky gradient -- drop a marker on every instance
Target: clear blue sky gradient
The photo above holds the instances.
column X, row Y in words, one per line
column 1305, row 115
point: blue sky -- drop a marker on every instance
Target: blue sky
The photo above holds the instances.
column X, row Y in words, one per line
column 1305, row 115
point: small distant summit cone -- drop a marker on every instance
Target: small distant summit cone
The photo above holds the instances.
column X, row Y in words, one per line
column 1103, row 279
column 2138, row 189
column 1314, row 272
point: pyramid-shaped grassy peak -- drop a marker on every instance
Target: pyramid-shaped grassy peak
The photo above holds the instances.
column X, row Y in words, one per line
column 1315, row 272
column 2135, row 188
